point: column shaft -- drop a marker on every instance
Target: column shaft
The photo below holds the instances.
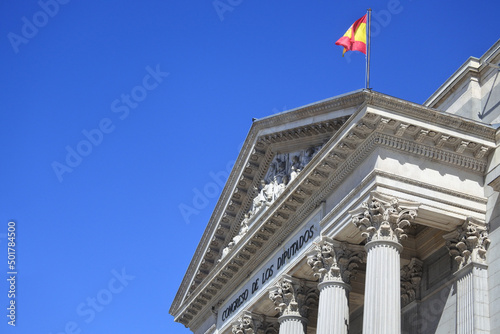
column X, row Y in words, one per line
column 333, row 311
column 472, row 300
column 292, row 325
column 382, row 309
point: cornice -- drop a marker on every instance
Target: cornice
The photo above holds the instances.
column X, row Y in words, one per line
column 472, row 68
column 433, row 116
column 336, row 103
column 350, row 142
column 468, row 70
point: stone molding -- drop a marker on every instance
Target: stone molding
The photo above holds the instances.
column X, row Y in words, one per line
column 411, row 276
column 432, row 116
column 468, row 243
column 333, row 104
column 383, row 218
column 456, row 158
column 333, row 261
column 211, row 330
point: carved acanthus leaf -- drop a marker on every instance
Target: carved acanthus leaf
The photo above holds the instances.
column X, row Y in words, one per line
column 247, row 323
column 468, row 243
column 334, row 261
column 290, row 296
column 411, row 275
column 384, row 218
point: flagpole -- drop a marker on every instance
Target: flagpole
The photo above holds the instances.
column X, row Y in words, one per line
column 368, row 46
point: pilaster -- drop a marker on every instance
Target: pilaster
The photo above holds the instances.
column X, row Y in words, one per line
column 468, row 245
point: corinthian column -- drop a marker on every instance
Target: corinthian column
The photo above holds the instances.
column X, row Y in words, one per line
column 382, row 221
column 251, row 323
column 291, row 297
column 468, row 245
column 334, row 263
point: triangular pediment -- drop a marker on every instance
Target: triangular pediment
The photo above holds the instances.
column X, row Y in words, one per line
column 291, row 161
column 271, row 138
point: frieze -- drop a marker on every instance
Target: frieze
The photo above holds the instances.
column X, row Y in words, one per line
column 449, row 157
column 271, row 269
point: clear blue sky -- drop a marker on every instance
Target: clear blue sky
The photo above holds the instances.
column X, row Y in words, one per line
column 114, row 114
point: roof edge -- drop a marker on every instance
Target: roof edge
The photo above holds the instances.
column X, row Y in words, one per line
column 471, row 65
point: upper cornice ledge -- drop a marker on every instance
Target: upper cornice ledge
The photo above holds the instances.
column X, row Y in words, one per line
column 433, row 116
column 314, row 109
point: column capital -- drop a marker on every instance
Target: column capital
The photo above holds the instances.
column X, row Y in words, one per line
column 251, row 323
column 334, row 261
column 292, row 296
column 247, row 323
column 384, row 218
column 468, row 243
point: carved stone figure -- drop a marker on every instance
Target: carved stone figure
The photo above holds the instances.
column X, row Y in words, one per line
column 264, row 197
column 243, row 229
column 411, row 275
column 281, row 170
column 294, row 173
column 278, row 187
column 309, row 154
column 226, row 250
column 296, row 162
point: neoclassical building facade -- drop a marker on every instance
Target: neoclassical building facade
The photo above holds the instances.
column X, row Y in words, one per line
column 363, row 213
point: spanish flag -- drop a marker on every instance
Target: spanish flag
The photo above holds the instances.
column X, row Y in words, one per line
column 355, row 38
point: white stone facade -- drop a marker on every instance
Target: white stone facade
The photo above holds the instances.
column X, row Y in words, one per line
column 362, row 213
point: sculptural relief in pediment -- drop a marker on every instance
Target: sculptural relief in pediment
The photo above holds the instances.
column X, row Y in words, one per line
column 283, row 169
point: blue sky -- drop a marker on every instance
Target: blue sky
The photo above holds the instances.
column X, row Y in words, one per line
column 116, row 115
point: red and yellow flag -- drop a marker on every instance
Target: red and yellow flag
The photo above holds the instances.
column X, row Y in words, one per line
column 355, row 38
